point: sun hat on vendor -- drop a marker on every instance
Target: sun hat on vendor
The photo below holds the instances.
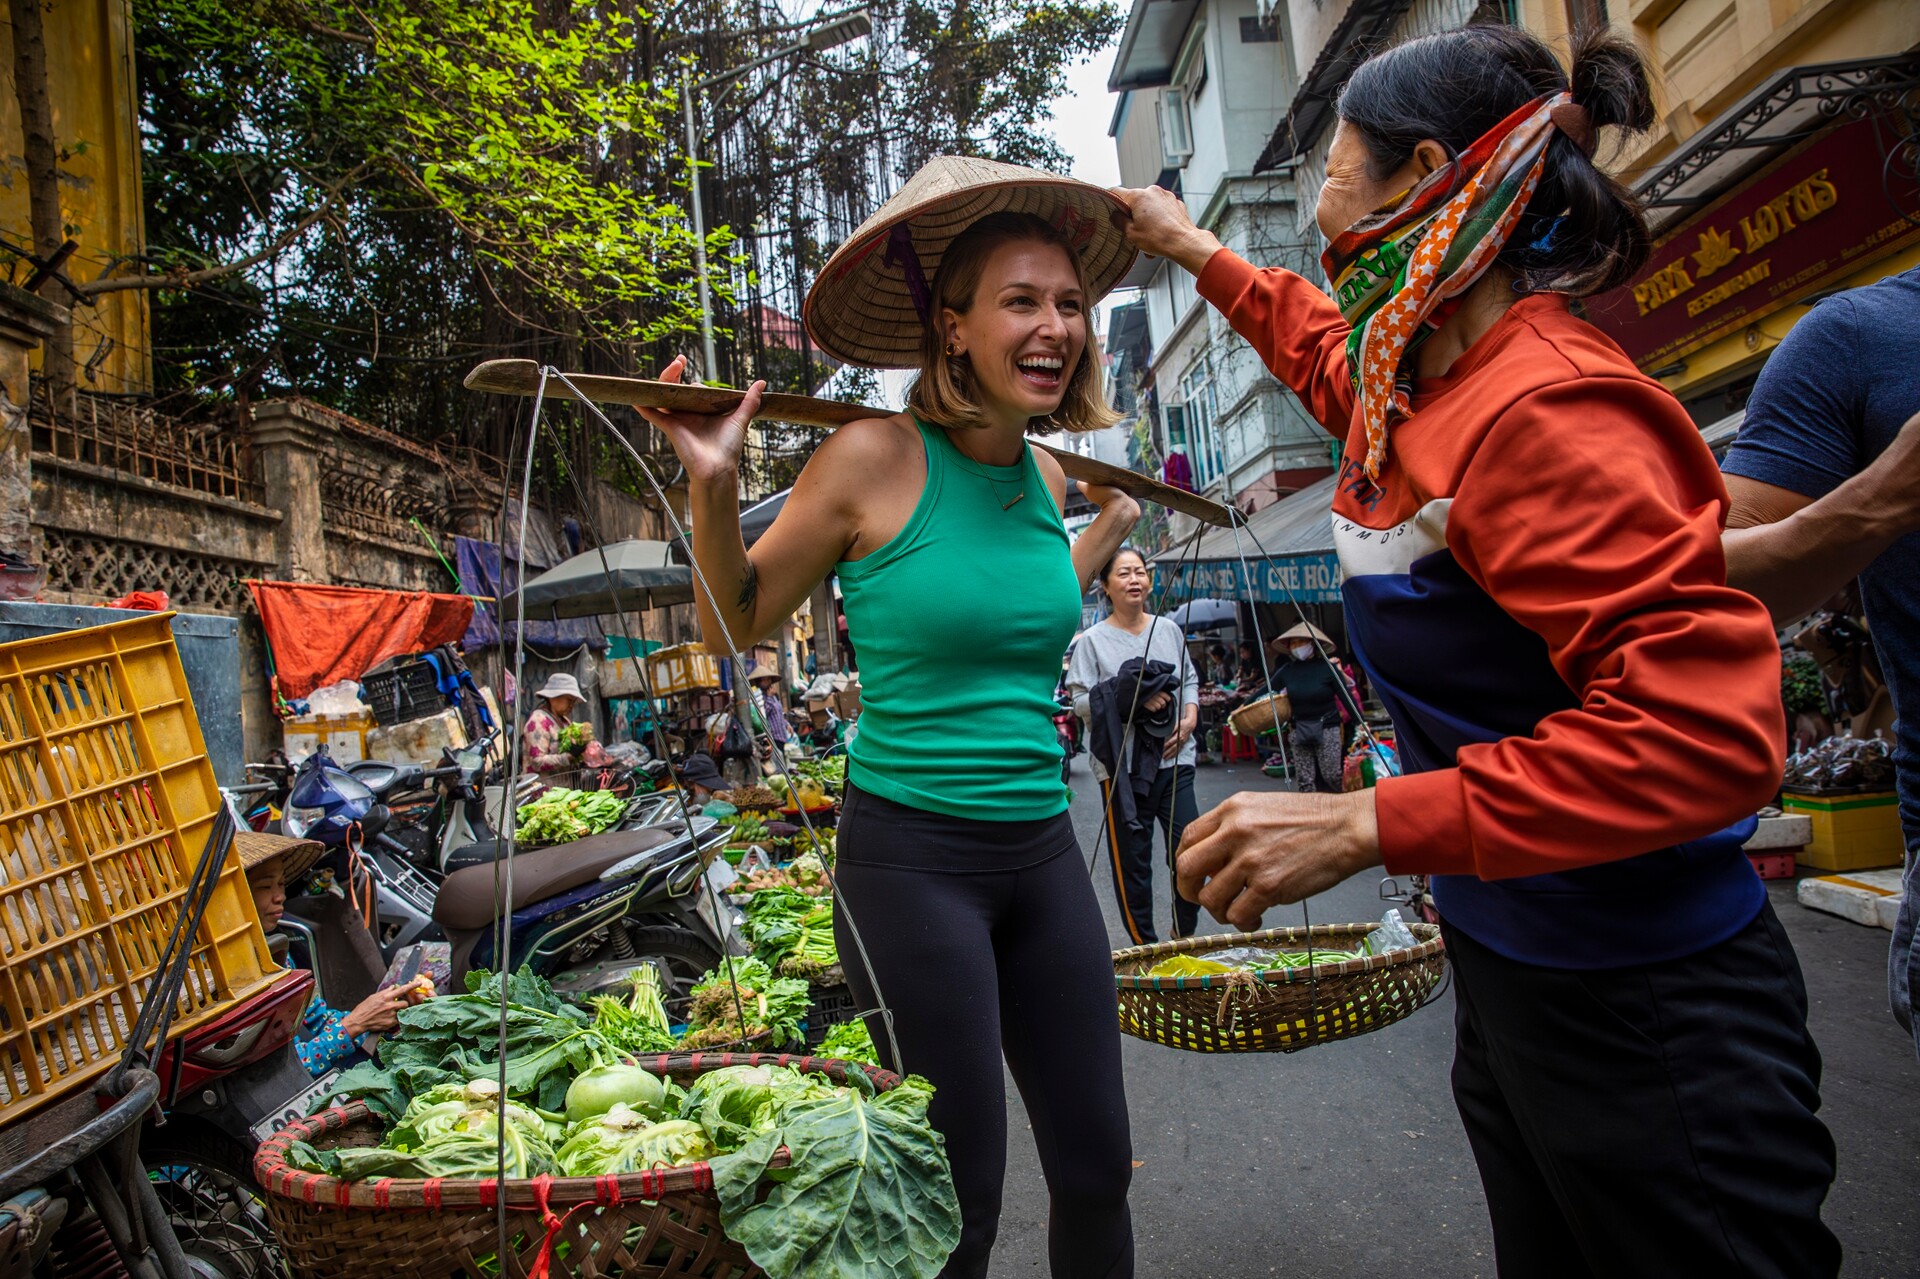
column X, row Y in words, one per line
column 758, row 674
column 879, row 300
column 1303, row 631
column 559, row 686
column 295, row 857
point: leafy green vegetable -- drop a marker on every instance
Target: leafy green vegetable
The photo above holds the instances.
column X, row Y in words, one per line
column 792, row 932
column 736, row 1102
column 459, row 1108
column 625, row 1140
column 562, row 815
column 573, row 738
column 455, row 1039
column 868, row 1192
column 467, row 1152
column 849, row 1041
column 638, row 1024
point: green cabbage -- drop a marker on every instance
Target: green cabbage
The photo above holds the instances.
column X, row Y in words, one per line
column 624, row 1140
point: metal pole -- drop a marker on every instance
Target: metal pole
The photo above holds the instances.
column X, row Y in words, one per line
column 708, row 369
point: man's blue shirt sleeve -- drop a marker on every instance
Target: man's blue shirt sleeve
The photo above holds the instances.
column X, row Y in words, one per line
column 1803, row 418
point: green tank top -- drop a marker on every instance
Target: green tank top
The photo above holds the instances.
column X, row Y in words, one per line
column 959, row 624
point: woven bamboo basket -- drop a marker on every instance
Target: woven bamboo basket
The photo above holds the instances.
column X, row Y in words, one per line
column 1283, row 1010
column 663, row 1224
column 1264, row 715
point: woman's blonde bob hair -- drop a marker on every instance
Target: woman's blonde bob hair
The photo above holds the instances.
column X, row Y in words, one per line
column 944, row 392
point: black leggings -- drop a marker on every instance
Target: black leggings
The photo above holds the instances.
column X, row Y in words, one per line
column 986, row 938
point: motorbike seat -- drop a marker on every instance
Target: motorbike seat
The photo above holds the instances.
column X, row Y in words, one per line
column 465, row 901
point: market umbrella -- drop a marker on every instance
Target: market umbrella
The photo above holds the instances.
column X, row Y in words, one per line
column 643, row 577
column 759, row 517
column 1206, row 615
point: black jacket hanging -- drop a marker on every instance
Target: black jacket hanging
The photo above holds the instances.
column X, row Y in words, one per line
column 1112, row 705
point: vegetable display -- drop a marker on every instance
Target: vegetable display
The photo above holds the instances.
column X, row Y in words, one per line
column 849, row 1041
column 750, row 797
column 747, row 828
column 772, row 1005
column 805, row 874
column 868, row 1190
column 561, row 815
column 792, row 933
column 637, row 1024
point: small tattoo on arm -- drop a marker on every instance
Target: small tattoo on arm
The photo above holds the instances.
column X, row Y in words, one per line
column 749, row 588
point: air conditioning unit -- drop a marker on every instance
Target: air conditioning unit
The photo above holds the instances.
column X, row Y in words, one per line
column 1176, row 129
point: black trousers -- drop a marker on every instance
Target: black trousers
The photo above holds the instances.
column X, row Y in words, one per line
column 987, row 940
column 1170, row 805
column 1649, row 1121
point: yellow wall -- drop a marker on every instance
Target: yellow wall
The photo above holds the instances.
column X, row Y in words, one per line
column 90, row 81
column 1709, row 54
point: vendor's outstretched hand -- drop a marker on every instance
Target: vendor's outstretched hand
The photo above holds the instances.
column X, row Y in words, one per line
column 1262, row 849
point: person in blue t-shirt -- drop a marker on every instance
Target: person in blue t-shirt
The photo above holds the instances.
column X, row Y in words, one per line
column 1825, row 481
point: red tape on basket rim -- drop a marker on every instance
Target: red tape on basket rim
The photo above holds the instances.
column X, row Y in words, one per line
column 606, row 1189
column 430, row 1192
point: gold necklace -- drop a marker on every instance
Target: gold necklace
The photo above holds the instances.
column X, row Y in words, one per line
column 1007, row 505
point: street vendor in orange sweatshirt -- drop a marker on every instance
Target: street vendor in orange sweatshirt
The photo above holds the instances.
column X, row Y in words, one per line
column 1529, row 536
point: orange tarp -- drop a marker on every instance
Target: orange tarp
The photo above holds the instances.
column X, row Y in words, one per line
column 323, row 634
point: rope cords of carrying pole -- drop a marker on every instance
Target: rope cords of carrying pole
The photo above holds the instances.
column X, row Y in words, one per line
column 509, row 811
column 1236, row 521
column 739, row 660
column 680, row 796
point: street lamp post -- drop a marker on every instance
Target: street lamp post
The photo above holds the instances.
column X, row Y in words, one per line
column 828, row 33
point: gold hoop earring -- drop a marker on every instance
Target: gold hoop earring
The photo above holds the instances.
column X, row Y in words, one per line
column 952, row 351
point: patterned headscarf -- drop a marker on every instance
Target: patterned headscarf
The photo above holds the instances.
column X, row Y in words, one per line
column 1400, row 274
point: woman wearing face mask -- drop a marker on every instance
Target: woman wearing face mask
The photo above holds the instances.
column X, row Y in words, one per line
column 1529, row 537
column 1130, row 633
column 1303, row 666
column 957, row 859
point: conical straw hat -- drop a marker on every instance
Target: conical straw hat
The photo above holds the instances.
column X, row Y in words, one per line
column 862, row 311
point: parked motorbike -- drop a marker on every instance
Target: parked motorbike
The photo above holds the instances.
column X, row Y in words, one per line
column 588, row 911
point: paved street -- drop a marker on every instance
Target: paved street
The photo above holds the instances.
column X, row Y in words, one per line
column 1349, row 1159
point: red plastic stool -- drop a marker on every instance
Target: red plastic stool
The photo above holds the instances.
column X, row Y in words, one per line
column 1236, row 746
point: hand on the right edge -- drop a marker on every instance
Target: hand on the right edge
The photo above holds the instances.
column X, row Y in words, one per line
column 708, row 445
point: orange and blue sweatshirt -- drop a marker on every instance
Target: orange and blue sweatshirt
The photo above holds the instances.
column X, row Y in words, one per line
column 1587, row 714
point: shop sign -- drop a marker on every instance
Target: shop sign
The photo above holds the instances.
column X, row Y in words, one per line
column 1820, row 214
column 1310, row 579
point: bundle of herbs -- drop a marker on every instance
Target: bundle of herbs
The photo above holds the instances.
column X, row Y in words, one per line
column 746, row 989
column 792, row 933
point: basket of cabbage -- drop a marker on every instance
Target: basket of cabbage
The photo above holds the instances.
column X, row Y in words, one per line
column 650, row 1167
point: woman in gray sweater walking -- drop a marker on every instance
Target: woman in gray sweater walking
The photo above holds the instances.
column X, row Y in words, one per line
column 1132, row 632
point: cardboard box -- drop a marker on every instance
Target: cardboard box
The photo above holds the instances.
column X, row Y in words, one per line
column 344, row 736
column 847, row 701
column 683, row 668
column 1850, row 832
column 419, row 741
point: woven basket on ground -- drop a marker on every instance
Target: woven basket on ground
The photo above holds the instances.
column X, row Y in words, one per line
column 1282, row 1010
column 663, row 1224
column 1261, row 716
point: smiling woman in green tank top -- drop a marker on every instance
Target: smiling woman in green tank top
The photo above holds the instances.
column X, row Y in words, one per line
column 956, row 856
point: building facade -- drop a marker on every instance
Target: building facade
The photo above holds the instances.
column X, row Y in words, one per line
column 1199, row 84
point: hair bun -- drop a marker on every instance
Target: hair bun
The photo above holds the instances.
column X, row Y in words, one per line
column 1609, row 78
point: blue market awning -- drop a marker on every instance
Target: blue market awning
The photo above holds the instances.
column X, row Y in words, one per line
column 1288, row 552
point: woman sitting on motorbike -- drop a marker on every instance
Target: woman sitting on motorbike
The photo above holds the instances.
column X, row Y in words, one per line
column 327, row 1036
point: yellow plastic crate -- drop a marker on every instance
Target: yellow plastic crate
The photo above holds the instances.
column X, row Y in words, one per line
column 106, row 801
column 1851, row 832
